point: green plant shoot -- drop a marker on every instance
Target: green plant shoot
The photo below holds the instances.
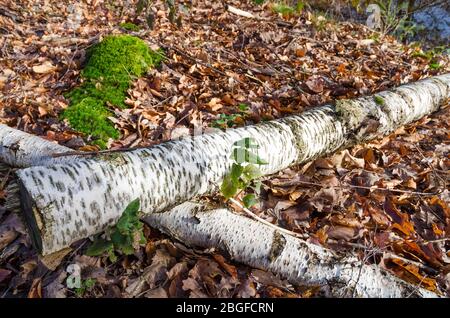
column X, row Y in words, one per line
column 244, row 172
column 124, row 237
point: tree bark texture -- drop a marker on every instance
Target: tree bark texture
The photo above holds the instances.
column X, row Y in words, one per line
column 258, row 245
column 20, row 149
column 83, row 197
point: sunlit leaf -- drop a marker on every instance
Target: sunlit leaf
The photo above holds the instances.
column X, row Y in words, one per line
column 228, row 187
column 251, row 172
column 236, row 171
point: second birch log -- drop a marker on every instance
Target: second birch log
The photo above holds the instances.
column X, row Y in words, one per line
column 258, row 245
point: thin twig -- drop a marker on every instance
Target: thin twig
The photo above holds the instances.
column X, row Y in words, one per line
column 368, row 188
column 445, row 239
column 408, row 261
column 254, row 216
column 92, row 153
column 241, row 13
column 385, row 254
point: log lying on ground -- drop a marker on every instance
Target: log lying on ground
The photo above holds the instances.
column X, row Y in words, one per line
column 251, row 242
column 74, row 200
column 230, row 232
column 258, row 245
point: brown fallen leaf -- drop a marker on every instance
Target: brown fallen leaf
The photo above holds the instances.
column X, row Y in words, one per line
column 267, row 278
column 10, row 228
column 440, row 206
column 57, row 288
column 341, row 233
column 194, row 288
column 230, row 269
column 377, row 216
column 52, row 261
column 177, row 269
column 176, row 288
column 325, row 199
column 153, row 274
column 294, row 215
column 311, row 292
column 401, row 220
column 411, row 273
column 36, row 289
column 46, row 67
column 315, row 84
column 273, row 292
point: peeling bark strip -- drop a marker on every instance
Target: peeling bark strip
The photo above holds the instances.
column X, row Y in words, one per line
column 302, row 263
column 83, row 197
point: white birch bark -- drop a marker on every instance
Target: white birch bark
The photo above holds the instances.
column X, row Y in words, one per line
column 245, row 240
column 271, row 249
column 260, row 246
column 77, row 199
column 20, row 149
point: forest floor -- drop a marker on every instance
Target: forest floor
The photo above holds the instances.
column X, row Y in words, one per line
column 224, row 70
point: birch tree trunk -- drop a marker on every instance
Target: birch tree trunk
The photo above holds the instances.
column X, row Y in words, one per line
column 258, row 245
column 70, row 201
column 245, row 240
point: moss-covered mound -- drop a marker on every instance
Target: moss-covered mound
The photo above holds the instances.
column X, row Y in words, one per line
column 90, row 116
column 111, row 66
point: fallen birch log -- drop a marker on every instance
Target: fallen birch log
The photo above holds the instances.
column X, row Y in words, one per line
column 70, row 201
column 260, row 246
column 250, row 242
column 234, row 237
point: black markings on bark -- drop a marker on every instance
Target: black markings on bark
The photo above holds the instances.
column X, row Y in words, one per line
column 89, row 184
column 71, row 174
column 60, row 186
column 97, row 178
column 50, row 179
column 277, row 247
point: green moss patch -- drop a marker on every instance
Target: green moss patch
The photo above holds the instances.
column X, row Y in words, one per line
column 90, row 116
column 111, row 66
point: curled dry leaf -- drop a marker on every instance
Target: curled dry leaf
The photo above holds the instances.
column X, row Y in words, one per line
column 230, row 269
column 153, row 274
column 36, row 289
column 315, row 84
column 156, row 293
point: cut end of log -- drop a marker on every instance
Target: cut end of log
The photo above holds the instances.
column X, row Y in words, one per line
column 33, row 219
